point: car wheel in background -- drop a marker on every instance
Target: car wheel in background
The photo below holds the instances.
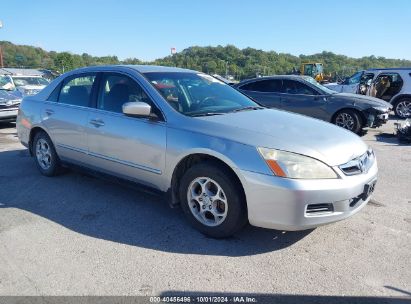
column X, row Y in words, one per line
column 402, row 107
column 45, row 155
column 348, row 119
column 212, row 200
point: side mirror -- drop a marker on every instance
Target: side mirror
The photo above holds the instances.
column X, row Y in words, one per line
column 137, row 108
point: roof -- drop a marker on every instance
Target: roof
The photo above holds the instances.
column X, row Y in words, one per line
column 138, row 68
column 157, row 68
column 275, row 77
column 388, row 69
column 23, row 72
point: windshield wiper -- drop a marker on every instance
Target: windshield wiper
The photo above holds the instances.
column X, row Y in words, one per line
column 206, row 114
column 247, row 109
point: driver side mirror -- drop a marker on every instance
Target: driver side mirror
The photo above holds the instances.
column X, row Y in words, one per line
column 137, row 108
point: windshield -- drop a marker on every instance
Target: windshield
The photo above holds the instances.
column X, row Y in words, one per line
column 319, row 86
column 196, row 94
column 23, row 81
column 354, row 79
column 6, row 83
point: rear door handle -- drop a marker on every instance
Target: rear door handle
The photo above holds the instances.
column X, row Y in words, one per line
column 49, row 112
column 97, row 122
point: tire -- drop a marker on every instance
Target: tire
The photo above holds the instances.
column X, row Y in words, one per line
column 207, row 190
column 348, row 119
column 400, row 107
column 45, row 155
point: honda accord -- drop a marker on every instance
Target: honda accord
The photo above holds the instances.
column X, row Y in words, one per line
column 215, row 152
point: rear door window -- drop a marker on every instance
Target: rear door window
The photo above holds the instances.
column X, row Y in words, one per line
column 77, row 90
column 269, row 86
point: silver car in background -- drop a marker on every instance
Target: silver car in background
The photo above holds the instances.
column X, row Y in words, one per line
column 223, row 158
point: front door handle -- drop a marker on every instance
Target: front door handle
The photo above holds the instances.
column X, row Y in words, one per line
column 97, row 122
column 49, row 112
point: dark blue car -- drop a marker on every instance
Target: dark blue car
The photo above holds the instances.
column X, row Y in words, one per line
column 303, row 95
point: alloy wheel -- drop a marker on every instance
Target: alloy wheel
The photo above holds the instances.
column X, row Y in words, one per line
column 207, row 201
column 43, row 154
column 404, row 108
column 345, row 120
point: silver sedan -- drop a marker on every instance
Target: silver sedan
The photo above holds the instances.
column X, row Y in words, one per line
column 224, row 159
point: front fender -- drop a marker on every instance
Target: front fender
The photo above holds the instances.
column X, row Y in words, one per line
column 182, row 143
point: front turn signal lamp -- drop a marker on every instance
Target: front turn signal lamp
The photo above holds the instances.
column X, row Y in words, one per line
column 292, row 165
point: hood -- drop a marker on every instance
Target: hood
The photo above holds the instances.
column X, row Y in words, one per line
column 10, row 95
column 332, row 85
column 31, row 87
column 286, row 131
column 368, row 100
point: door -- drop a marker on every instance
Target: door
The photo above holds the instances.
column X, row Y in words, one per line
column 299, row 98
column 267, row 92
column 386, row 85
column 65, row 116
column 130, row 147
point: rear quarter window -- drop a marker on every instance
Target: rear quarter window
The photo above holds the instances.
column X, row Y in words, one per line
column 54, row 96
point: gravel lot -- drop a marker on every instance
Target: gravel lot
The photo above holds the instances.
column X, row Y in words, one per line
column 79, row 235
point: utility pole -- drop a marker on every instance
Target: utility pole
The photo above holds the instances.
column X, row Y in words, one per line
column 226, row 69
column 1, row 50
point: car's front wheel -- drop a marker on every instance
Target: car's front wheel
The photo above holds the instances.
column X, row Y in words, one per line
column 46, row 157
column 212, row 200
column 348, row 119
column 402, row 107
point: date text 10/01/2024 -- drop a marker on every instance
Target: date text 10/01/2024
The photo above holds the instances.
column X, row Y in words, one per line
column 203, row 299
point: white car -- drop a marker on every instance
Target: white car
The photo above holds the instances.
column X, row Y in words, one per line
column 29, row 85
column 397, row 91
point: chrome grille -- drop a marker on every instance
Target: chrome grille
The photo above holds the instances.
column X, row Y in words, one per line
column 360, row 164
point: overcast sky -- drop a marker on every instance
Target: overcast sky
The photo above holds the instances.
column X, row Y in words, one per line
column 148, row 29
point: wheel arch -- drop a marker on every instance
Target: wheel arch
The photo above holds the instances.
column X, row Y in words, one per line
column 35, row 130
column 399, row 97
column 358, row 111
column 192, row 159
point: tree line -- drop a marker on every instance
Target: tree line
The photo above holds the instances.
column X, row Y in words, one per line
column 222, row 60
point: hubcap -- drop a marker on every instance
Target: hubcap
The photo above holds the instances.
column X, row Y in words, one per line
column 43, row 154
column 404, row 108
column 207, row 201
column 345, row 120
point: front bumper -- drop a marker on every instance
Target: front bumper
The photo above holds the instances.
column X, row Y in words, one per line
column 283, row 204
column 8, row 114
column 375, row 120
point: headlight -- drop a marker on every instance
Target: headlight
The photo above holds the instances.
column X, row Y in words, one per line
column 381, row 109
column 292, row 165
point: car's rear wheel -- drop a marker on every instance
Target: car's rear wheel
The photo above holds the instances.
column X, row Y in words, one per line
column 46, row 157
column 348, row 119
column 402, row 107
column 212, row 200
